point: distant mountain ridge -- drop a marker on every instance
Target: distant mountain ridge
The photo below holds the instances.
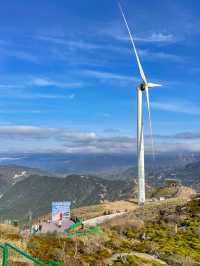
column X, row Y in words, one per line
column 24, row 188
column 36, row 193
column 65, row 164
column 10, row 174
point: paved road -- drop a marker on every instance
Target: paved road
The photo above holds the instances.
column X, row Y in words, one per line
column 52, row 227
column 102, row 219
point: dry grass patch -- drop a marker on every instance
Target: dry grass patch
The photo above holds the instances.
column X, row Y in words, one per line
column 92, row 211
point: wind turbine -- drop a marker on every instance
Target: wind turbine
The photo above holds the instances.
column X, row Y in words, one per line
column 141, row 88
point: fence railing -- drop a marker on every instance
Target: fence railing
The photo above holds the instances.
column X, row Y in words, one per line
column 6, row 247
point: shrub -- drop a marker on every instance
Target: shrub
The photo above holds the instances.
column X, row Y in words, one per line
column 178, row 260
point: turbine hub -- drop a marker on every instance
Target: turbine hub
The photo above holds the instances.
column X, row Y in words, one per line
column 142, row 86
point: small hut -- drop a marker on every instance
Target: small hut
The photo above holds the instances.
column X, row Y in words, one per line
column 172, row 183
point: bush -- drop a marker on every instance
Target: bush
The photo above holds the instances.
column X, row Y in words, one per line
column 179, row 260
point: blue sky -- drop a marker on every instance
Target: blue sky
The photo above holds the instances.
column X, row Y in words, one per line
column 68, row 75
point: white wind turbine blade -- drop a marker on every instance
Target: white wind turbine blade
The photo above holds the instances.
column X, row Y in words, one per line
column 134, row 47
column 152, row 85
column 147, row 85
column 150, row 124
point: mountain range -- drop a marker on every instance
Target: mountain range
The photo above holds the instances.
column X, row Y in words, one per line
column 36, row 193
column 23, row 188
column 10, row 174
column 100, row 164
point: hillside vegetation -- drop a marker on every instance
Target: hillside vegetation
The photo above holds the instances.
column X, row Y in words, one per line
column 92, row 211
column 161, row 233
column 36, row 193
column 169, row 231
column 11, row 174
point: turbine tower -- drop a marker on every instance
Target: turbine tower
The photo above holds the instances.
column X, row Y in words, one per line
column 142, row 87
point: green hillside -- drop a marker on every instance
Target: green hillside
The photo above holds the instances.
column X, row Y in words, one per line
column 36, row 193
column 163, row 232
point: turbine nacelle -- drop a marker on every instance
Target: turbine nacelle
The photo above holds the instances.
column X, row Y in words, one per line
column 143, row 86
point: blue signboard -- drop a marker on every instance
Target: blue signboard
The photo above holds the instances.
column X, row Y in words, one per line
column 60, row 210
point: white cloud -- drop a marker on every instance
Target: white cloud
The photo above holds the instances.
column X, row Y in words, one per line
column 41, row 82
column 22, row 111
column 21, row 94
column 109, row 75
column 91, row 142
column 154, row 37
column 68, row 140
column 76, row 44
column 119, row 33
column 157, row 38
column 184, row 107
column 27, row 81
column 19, row 54
column 26, row 87
column 78, row 136
column 25, row 56
column 21, row 131
column 187, row 135
column 151, row 55
column 45, row 82
column 32, row 95
column 160, row 38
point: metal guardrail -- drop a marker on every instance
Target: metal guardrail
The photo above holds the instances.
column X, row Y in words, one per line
column 5, row 247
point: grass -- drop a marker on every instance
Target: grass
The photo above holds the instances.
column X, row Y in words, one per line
column 106, row 207
column 165, row 232
column 133, row 260
column 169, row 230
column 93, row 211
column 11, row 234
column 167, row 192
